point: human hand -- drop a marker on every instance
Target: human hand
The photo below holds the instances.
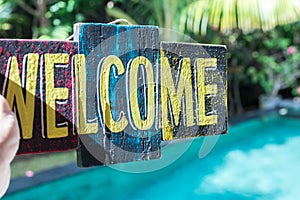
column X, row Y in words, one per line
column 9, row 142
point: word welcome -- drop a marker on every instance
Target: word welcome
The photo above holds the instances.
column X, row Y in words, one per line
column 114, row 93
column 171, row 97
column 169, row 101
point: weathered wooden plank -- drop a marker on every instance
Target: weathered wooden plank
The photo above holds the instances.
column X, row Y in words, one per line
column 193, row 91
column 116, row 119
column 37, row 78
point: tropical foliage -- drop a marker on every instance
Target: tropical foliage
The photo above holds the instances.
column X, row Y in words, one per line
column 278, row 64
column 46, row 18
column 260, row 52
column 246, row 15
column 257, row 39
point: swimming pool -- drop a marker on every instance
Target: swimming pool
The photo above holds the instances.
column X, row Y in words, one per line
column 258, row 159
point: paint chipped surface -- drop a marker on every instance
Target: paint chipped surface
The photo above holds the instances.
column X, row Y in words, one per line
column 112, row 136
column 24, row 83
column 202, row 109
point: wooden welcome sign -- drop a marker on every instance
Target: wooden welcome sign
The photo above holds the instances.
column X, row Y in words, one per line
column 37, row 78
column 193, row 90
column 114, row 93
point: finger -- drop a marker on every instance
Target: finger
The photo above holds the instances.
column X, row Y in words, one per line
column 5, row 177
column 9, row 132
column 4, row 107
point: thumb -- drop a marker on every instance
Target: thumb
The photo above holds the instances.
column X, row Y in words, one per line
column 4, row 107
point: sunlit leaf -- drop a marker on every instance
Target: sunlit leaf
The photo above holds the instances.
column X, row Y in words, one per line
column 246, row 15
column 118, row 13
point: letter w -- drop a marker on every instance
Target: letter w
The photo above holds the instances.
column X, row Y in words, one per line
column 25, row 106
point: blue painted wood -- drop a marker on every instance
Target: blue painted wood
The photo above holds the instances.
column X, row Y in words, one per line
column 97, row 42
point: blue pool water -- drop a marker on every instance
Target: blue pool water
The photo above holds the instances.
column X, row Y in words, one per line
column 257, row 159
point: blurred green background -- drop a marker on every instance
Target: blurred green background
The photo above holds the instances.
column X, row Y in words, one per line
column 262, row 38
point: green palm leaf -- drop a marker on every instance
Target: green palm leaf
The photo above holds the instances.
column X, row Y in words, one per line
column 246, row 15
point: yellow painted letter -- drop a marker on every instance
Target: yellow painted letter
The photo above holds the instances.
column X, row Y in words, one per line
column 168, row 90
column 52, row 94
column 14, row 91
column 204, row 90
column 80, row 70
column 112, row 125
column 136, row 115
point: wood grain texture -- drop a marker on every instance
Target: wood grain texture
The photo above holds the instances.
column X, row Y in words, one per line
column 37, row 78
column 193, row 92
column 111, row 128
